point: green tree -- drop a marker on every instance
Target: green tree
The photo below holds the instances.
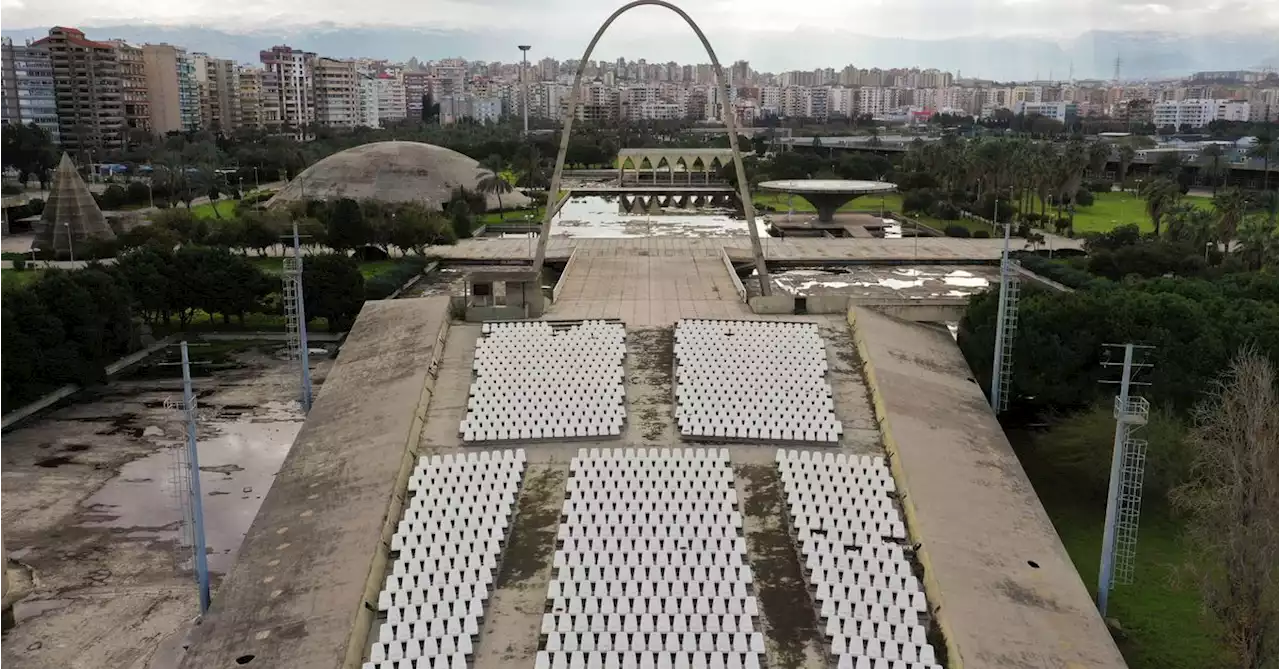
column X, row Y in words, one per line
column 492, row 182
column 29, row 150
column 1190, row 224
column 1161, row 194
column 1229, row 206
column 1257, row 242
column 334, row 289
column 1264, row 147
column 347, row 228
column 1211, row 165
column 1231, row 502
column 460, row 218
column 1125, row 156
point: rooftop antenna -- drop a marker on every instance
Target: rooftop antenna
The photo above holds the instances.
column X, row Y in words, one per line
column 295, row 316
column 1128, row 464
column 1116, row 77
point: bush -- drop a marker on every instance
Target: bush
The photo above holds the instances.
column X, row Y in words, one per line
column 1084, row 198
column 1099, row 186
column 381, row 285
column 19, row 265
column 920, row 200
column 981, row 234
column 987, row 208
column 113, row 197
column 1059, row 271
column 137, row 193
column 954, row 230
column 945, row 211
column 10, row 189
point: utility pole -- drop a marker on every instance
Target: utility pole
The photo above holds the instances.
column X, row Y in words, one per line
column 524, row 85
column 187, row 482
column 1124, row 493
column 295, row 313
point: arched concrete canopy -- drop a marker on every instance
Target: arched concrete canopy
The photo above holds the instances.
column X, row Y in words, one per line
column 731, row 126
column 684, row 157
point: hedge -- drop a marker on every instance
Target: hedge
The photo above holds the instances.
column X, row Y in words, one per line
column 382, row 285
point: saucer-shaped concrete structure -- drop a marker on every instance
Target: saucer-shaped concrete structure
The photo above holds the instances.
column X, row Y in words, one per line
column 828, row 195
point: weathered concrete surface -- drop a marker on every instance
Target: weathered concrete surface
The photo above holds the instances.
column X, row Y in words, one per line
column 786, row 251
column 972, row 508
column 317, row 549
column 647, row 291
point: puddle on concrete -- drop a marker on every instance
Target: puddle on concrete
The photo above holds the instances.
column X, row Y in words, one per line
column 239, row 458
column 602, row 216
column 911, row 282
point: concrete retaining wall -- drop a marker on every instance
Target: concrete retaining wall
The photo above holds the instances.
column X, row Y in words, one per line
column 773, row 304
column 500, row 313
column 562, row 281
column 826, row 304
column 928, row 310
column 733, row 276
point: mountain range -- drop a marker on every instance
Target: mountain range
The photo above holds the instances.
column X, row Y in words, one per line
column 1143, row 55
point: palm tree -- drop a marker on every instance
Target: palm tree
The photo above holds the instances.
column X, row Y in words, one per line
column 1230, row 206
column 1258, row 241
column 1213, row 168
column 1099, row 154
column 489, row 181
column 1161, row 194
column 1263, row 147
column 1127, row 154
column 1191, row 224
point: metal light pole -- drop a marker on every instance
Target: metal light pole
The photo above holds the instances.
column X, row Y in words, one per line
column 71, row 244
column 524, row 85
column 197, row 508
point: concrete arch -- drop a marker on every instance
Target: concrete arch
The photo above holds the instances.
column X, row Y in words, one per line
column 730, row 122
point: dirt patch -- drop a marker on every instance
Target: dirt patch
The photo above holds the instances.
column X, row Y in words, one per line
column 76, row 448
column 55, row 461
column 1025, row 596
column 787, row 608
column 650, row 363
column 533, row 532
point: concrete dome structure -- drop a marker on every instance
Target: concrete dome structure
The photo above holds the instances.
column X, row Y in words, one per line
column 391, row 172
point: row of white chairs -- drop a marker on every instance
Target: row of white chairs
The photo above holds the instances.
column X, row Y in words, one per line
column 881, row 484
column 446, row 541
column 445, row 565
column 430, row 593
column 838, row 617
column 901, row 632
column 449, row 515
column 585, row 531
column 543, row 432
column 588, row 458
column 482, row 576
column 771, row 433
column 671, row 642
column 738, row 545
column 863, row 662
column 654, row 479
column 892, row 567
column 415, row 649
column 459, row 460
column 644, row 660
column 657, row 577
column 634, row 492
column 874, row 649
column 673, row 558
column 428, row 554
column 632, row 623
column 438, row 662
column 689, row 606
column 435, row 630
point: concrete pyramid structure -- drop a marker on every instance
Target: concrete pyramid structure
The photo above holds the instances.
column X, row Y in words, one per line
column 71, row 217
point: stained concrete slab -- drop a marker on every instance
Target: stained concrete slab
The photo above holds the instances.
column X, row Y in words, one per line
column 1005, row 590
column 316, row 551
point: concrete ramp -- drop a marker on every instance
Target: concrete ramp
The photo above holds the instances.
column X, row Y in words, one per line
column 1006, row 591
column 647, row 290
column 317, row 550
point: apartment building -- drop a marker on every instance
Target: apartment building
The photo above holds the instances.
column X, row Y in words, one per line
column 188, row 92
column 218, row 89
column 8, row 85
column 133, row 87
column 165, row 97
column 1198, row 113
column 293, row 73
column 337, row 93
column 28, row 87
column 86, row 82
column 416, row 86
column 1064, row 112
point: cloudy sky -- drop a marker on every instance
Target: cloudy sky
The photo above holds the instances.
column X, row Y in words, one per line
column 928, row 19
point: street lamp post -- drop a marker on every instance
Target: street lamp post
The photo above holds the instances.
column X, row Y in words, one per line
column 524, row 85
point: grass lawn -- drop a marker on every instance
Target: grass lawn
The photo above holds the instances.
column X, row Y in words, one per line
column 1110, row 210
column 13, row 277
column 225, row 207
column 512, row 216
column 1163, row 625
column 370, row 269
